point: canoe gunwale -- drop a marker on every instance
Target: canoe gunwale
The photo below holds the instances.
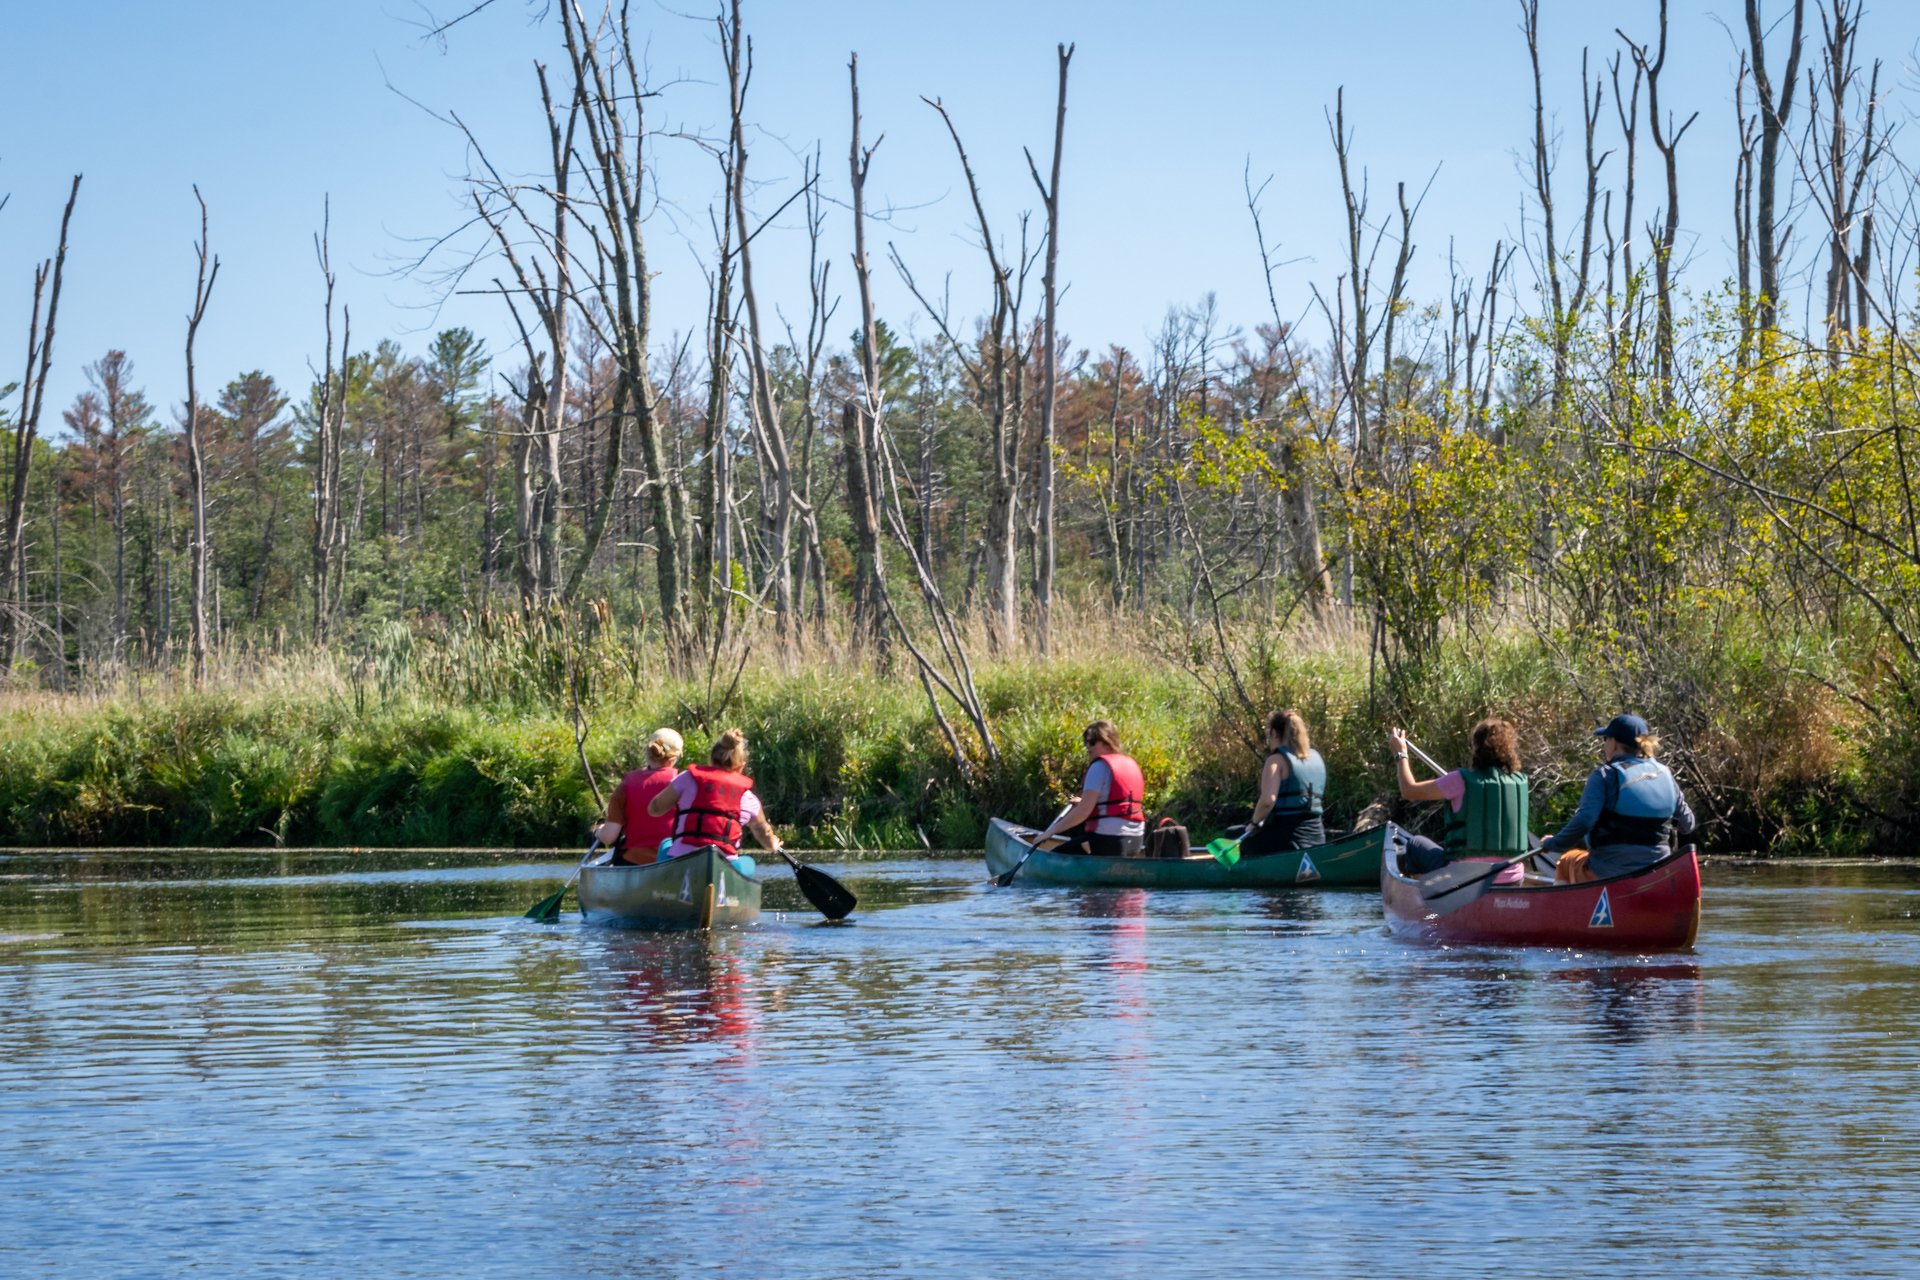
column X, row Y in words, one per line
column 1352, row 860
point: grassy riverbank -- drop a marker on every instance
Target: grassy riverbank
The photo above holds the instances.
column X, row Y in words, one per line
column 409, row 751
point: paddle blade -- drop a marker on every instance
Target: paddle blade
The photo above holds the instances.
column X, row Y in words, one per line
column 547, row 910
column 1225, row 851
column 1457, row 884
column 831, row 898
column 1005, row 878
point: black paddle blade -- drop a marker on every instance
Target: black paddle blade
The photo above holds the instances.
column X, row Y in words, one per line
column 1005, row 878
column 1454, row 886
column 831, row 898
column 547, row 910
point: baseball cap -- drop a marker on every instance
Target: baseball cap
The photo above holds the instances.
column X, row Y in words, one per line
column 1626, row 729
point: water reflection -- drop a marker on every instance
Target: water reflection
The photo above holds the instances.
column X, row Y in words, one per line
column 255, row 1065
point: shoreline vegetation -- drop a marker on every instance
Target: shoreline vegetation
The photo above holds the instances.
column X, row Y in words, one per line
column 466, row 737
column 912, row 554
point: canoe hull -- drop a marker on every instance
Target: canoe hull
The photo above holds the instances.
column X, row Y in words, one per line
column 1351, row 860
column 1657, row 909
column 698, row 891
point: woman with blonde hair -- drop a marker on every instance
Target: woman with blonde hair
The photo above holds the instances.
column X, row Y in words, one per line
column 1631, row 811
column 714, row 804
column 630, row 831
column 1293, row 782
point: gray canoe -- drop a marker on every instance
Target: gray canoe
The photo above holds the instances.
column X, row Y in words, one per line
column 697, row 891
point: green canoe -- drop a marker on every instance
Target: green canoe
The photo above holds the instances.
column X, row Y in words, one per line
column 1350, row 859
column 697, row 891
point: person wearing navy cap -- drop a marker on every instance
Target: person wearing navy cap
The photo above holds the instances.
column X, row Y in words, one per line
column 1631, row 810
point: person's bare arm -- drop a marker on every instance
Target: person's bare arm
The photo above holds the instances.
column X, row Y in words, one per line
column 1410, row 789
column 663, row 804
column 1081, row 810
column 1275, row 771
column 763, row 832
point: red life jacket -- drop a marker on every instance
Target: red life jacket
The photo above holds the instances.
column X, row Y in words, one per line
column 643, row 831
column 714, row 815
column 1126, row 790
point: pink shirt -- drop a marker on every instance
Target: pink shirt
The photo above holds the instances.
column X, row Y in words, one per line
column 682, row 788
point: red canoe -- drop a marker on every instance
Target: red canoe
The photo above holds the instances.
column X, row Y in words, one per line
column 1653, row 910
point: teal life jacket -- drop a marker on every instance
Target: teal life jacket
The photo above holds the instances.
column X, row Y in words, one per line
column 1304, row 786
column 1641, row 800
column 1493, row 815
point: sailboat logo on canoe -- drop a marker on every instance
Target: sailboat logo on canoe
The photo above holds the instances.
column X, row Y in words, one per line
column 1307, row 870
column 686, row 885
column 1602, row 917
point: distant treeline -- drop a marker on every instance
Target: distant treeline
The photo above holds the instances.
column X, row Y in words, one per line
column 1675, row 499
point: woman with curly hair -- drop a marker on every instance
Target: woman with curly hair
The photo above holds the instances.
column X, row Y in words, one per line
column 1487, row 801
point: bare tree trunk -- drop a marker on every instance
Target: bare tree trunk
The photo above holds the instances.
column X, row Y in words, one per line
column 1774, row 110
column 59, row 605
column 778, row 504
column 1666, row 139
column 1050, row 355
column 331, row 427
column 196, row 469
column 861, row 422
column 47, row 278
column 610, row 89
column 997, row 391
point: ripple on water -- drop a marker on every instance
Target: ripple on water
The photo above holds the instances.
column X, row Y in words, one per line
column 392, row 1072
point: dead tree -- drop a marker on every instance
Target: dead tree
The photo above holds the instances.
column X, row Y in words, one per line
column 607, row 69
column 1050, row 355
column 763, row 410
column 47, row 278
column 1303, row 517
column 1623, row 330
column 329, row 535
column 1743, row 182
column 995, row 373
column 209, row 271
column 1566, row 311
column 860, row 421
column 820, row 311
column 543, row 276
column 1666, row 140
column 1775, row 106
column 1840, row 182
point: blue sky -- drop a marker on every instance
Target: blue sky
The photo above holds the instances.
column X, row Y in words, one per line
column 273, row 107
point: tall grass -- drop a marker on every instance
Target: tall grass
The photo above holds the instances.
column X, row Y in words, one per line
column 464, row 736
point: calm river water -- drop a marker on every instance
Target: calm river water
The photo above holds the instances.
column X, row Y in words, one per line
column 244, row 1064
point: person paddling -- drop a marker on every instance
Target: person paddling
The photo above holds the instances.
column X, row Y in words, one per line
column 1293, row 781
column 1631, row 810
column 1487, row 801
column 1110, row 817
column 714, row 804
column 634, row 834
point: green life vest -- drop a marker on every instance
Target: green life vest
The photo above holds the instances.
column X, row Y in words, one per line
column 1493, row 815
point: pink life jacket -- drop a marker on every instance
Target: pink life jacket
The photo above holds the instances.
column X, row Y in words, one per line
column 714, row 815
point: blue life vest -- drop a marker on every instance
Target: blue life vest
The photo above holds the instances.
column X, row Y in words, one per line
column 1640, row 802
column 1304, row 785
